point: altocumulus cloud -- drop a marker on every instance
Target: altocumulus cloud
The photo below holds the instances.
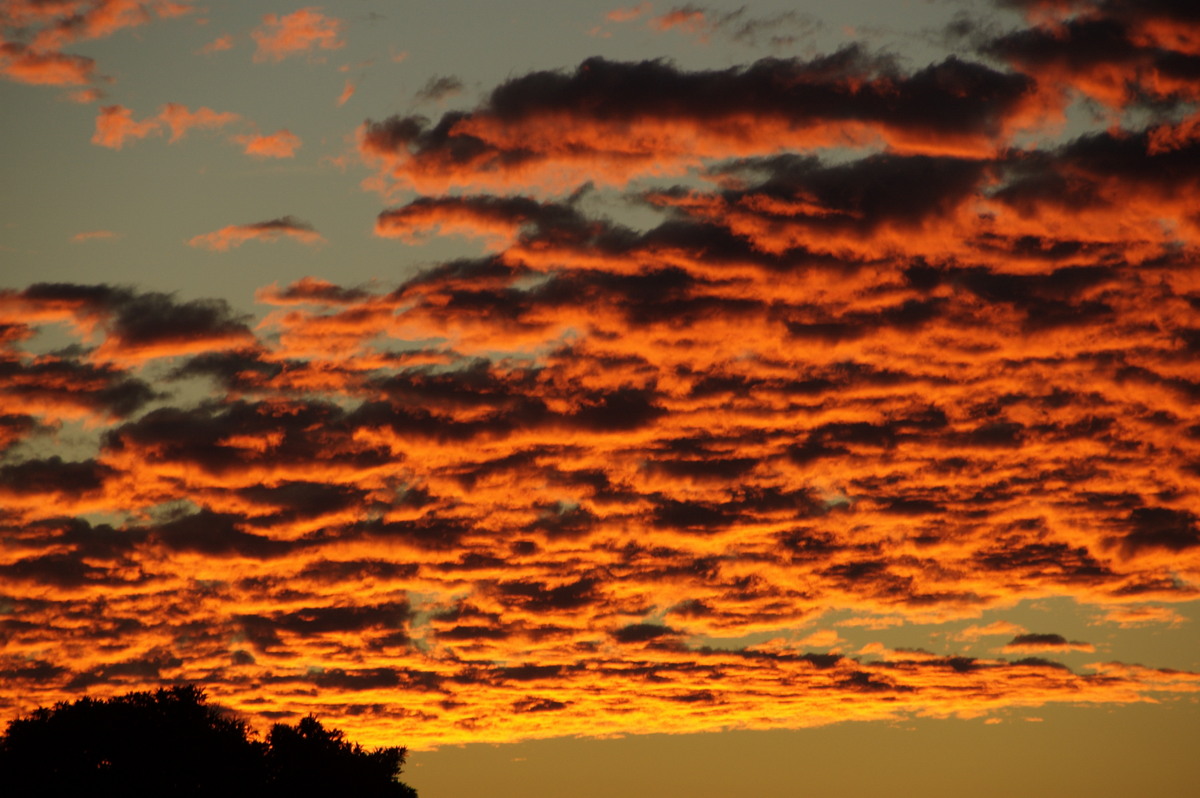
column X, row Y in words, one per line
column 552, row 489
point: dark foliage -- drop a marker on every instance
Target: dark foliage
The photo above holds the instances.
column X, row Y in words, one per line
column 172, row 743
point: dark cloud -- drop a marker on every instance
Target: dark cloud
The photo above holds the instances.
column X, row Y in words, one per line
column 429, row 533
column 642, row 633
column 362, row 679
column 94, row 297
column 706, row 468
column 33, row 671
column 861, row 194
column 53, row 475
column 237, row 234
column 440, row 87
column 216, row 535
column 69, row 383
column 484, row 215
column 283, row 223
column 58, row 570
column 1055, row 561
column 562, row 520
column 236, row 437
column 530, row 673
column 136, row 323
column 140, row 670
column 691, row 515
column 302, row 500
column 1081, row 173
column 340, row 571
column 326, row 620
column 537, row 705
column 954, row 98
column 309, row 290
column 156, row 319
column 1040, row 663
column 616, row 411
column 1161, row 528
column 540, row 598
column 14, row 428
column 468, row 632
column 477, row 384
column 234, row 369
column 792, row 87
column 699, row 696
column 781, row 29
column 854, row 325
column 1116, row 52
column 863, row 682
column 1039, row 641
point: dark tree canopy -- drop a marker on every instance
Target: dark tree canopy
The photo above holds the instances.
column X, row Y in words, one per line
column 172, row 743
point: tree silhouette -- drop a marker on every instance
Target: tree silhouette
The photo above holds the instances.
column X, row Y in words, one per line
column 345, row 769
column 172, row 743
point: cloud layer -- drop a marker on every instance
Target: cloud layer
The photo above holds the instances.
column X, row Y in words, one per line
column 879, row 360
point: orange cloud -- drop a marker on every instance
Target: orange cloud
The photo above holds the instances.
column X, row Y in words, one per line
column 299, row 32
column 54, row 25
column 1166, row 138
column 78, row 21
column 94, row 235
column 1120, row 54
column 494, row 218
column 347, row 93
column 689, row 19
column 25, row 65
column 115, row 124
column 558, row 487
column 219, row 44
column 180, row 120
column 84, row 96
column 238, row 234
column 627, row 14
column 996, row 628
column 1134, row 617
column 825, row 638
column 132, row 326
column 280, row 144
column 310, row 290
column 551, row 130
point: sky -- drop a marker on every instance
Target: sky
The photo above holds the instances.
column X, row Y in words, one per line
column 671, row 399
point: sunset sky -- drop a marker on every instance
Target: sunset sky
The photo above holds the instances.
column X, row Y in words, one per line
column 657, row 400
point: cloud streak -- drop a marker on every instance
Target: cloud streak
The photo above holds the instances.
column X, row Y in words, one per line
column 94, row 235
column 235, row 235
